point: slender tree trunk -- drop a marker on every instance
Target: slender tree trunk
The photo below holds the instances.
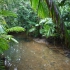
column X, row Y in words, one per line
column 55, row 14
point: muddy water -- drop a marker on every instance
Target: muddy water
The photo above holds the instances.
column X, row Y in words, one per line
column 30, row 55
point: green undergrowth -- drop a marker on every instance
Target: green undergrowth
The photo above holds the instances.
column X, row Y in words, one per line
column 16, row 29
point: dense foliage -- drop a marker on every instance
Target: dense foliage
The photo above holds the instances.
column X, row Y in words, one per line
column 49, row 19
column 58, row 11
column 25, row 16
column 4, row 37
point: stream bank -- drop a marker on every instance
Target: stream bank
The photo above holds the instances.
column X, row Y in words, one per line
column 31, row 54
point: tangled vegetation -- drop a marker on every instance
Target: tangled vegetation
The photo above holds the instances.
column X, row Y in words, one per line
column 59, row 12
column 38, row 18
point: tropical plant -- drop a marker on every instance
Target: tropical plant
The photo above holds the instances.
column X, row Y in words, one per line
column 4, row 37
column 54, row 12
column 47, row 27
column 26, row 17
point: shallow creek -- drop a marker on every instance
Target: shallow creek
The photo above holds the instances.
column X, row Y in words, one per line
column 30, row 55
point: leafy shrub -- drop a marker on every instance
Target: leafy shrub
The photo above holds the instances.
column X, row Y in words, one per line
column 26, row 17
column 4, row 38
column 47, row 27
column 4, row 13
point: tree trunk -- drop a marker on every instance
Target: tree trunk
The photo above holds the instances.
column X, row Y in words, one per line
column 55, row 14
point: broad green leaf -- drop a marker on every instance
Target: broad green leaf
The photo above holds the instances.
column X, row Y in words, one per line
column 40, row 7
column 7, row 13
column 3, row 44
column 32, row 29
column 34, row 4
column 14, row 40
column 1, row 29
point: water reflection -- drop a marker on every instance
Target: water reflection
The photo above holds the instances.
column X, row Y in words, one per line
column 30, row 55
column 15, row 68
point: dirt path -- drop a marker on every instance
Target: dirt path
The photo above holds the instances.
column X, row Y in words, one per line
column 36, row 56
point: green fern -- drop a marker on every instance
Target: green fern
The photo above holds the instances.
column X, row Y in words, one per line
column 16, row 29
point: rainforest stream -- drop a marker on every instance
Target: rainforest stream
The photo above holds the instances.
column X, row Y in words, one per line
column 31, row 55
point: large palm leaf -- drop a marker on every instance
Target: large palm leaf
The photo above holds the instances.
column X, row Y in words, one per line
column 40, row 7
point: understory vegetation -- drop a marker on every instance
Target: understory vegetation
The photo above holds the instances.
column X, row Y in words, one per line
column 49, row 19
column 37, row 18
column 58, row 11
